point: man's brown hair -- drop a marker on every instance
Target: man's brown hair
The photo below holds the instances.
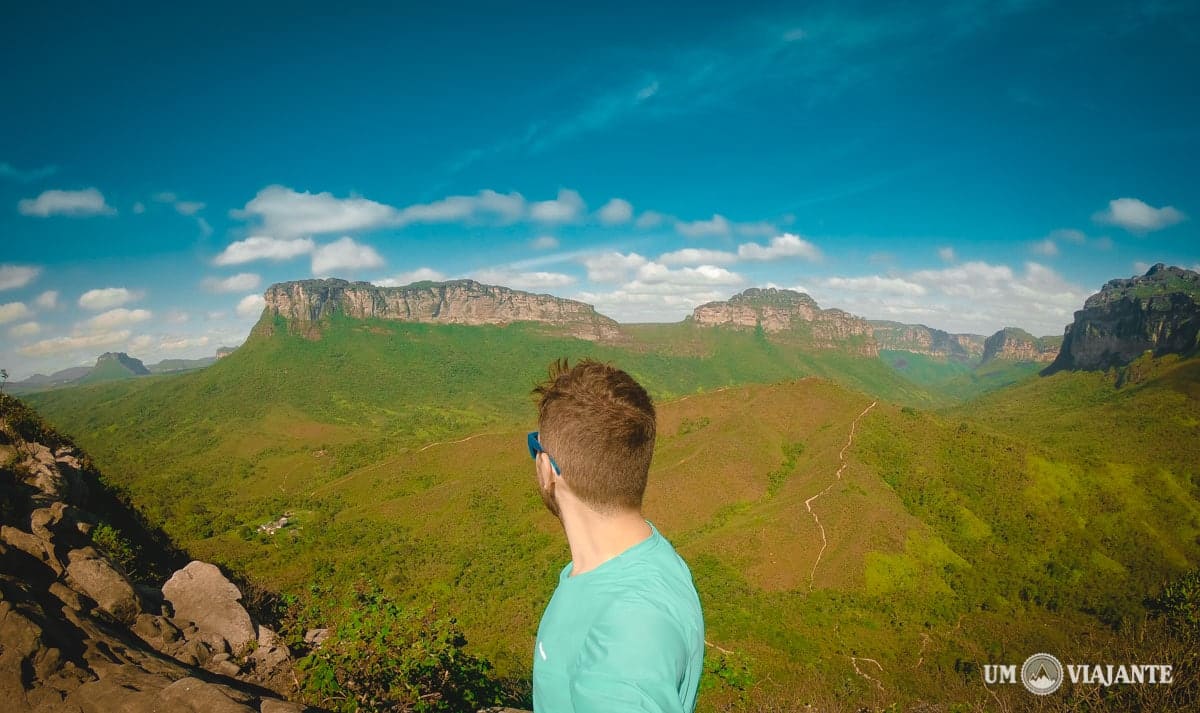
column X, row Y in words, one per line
column 598, row 424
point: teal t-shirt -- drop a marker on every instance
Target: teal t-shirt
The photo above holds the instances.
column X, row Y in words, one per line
column 625, row 636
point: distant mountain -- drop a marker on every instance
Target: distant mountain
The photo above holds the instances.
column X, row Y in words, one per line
column 1158, row 312
column 306, row 303
column 169, row 366
column 110, row 366
column 114, row 365
column 776, row 311
column 919, row 339
column 1015, row 344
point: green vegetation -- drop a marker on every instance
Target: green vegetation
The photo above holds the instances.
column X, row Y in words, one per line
column 380, row 656
column 954, row 381
column 1039, row 515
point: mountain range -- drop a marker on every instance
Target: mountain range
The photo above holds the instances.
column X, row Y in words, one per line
column 853, row 512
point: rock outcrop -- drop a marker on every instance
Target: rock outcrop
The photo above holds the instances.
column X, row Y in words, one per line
column 919, row 339
column 778, row 311
column 1013, row 344
column 77, row 634
column 305, row 303
column 1158, row 312
column 200, row 592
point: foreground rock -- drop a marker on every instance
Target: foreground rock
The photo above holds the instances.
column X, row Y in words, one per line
column 77, row 635
column 200, row 593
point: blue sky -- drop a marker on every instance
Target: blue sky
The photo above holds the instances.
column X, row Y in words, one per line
column 966, row 166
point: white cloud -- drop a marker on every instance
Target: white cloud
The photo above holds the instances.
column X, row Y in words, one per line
column 1141, row 267
column 25, row 329
column 284, row 212
column 107, row 297
column 176, row 316
column 794, row 35
column 615, row 212
column 176, row 343
column 649, row 219
column 876, row 283
column 658, row 293
column 760, row 229
column 717, row 226
column 697, row 256
column 1138, row 217
column 88, row 201
column 421, row 274
column 975, row 297
column 781, row 246
column 524, row 280
column 1047, row 247
column 14, row 276
column 165, row 197
column 568, row 207
column 1102, row 243
column 344, row 254
column 205, row 229
column 544, row 242
column 612, row 266
column 947, row 254
column 13, row 311
column 1069, row 235
column 139, row 208
column 647, row 91
column 189, row 207
column 487, row 206
column 119, row 317
column 235, row 283
column 249, row 306
column 47, row 300
column 653, row 273
column 261, row 247
column 59, row 345
column 140, row 344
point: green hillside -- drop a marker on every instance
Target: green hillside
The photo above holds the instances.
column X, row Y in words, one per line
column 953, row 381
column 839, row 573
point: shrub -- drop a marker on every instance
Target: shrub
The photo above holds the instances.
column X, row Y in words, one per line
column 380, row 656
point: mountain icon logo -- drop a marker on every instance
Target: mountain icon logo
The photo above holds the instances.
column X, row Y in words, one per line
column 1042, row 674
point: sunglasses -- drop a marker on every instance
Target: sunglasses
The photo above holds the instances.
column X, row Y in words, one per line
column 535, row 447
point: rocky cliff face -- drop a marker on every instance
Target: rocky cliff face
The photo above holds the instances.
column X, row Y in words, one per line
column 782, row 311
column 121, row 360
column 1013, row 344
column 919, row 339
column 78, row 635
column 1158, row 312
column 305, row 302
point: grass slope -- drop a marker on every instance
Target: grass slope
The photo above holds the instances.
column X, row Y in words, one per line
column 880, row 571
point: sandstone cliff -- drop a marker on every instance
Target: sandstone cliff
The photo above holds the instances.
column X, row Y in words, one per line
column 1158, row 312
column 78, row 635
column 919, row 339
column 304, row 303
column 778, row 311
column 1013, row 344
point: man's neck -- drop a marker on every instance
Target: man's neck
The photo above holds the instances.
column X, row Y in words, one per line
column 595, row 538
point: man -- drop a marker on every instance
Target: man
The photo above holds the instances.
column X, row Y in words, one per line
column 624, row 630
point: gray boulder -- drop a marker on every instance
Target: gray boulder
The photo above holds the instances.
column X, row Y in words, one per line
column 200, row 593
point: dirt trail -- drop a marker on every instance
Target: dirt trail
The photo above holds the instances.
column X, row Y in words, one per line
column 399, row 455
column 854, row 662
column 808, row 503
